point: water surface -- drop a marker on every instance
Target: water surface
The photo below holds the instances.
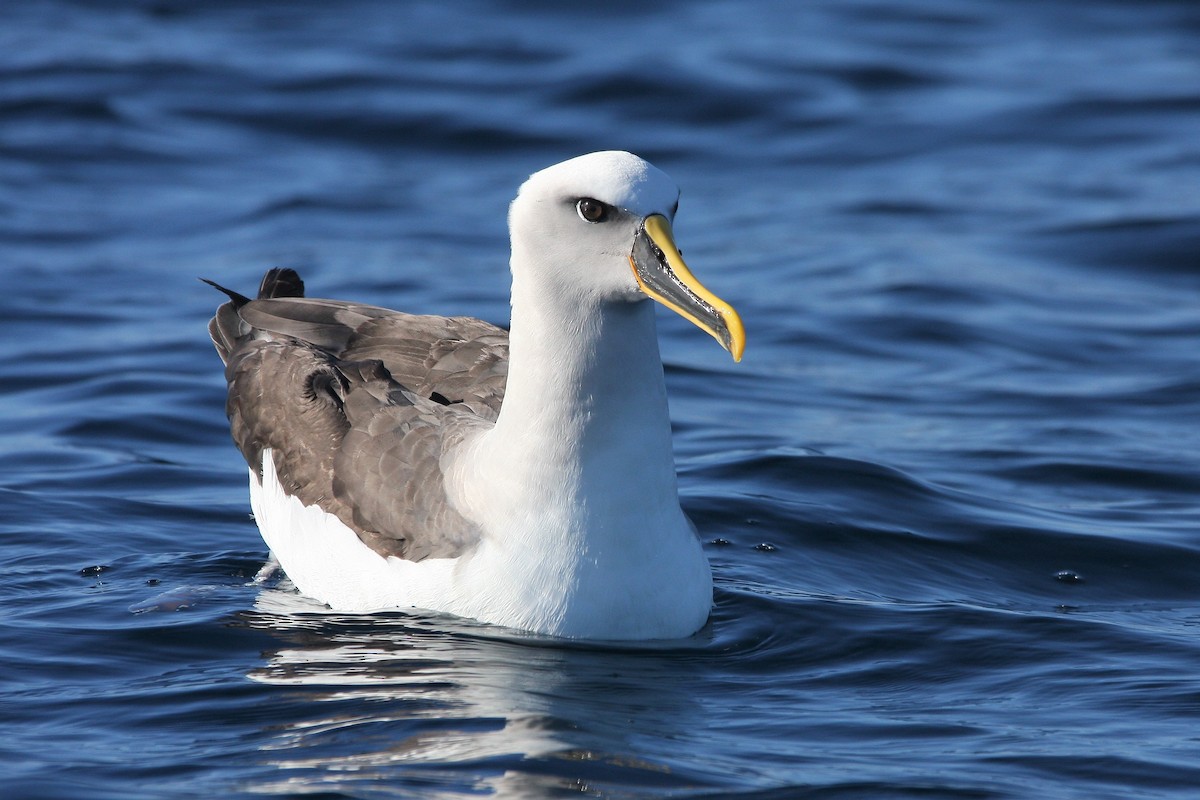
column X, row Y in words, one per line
column 951, row 496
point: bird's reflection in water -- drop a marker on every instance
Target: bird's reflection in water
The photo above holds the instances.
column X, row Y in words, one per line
column 407, row 703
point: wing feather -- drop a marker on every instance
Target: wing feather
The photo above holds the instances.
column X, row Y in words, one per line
column 359, row 406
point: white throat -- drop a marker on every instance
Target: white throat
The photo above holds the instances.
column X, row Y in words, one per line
column 585, row 412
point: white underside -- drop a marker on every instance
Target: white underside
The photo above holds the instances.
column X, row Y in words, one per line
column 659, row 592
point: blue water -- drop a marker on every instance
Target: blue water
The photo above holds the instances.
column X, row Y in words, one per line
column 951, row 495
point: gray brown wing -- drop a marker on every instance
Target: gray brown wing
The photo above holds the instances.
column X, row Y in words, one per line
column 460, row 359
column 319, row 382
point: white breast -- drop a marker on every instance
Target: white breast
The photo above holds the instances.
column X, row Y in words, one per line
column 662, row 590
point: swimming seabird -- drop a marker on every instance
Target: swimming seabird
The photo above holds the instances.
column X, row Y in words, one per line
column 521, row 478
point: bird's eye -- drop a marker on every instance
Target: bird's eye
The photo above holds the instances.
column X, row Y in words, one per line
column 592, row 210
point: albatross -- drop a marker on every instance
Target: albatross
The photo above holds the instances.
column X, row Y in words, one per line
column 522, row 478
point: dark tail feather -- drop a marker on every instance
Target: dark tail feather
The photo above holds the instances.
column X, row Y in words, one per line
column 226, row 328
column 278, row 282
column 236, row 298
column 281, row 282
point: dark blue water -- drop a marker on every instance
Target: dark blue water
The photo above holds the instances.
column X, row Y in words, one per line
column 952, row 494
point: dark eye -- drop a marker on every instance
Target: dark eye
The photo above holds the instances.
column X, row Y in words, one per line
column 592, row 210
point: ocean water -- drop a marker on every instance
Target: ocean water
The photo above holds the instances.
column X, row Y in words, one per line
column 951, row 496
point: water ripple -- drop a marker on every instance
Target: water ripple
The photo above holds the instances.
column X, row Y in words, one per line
column 949, row 495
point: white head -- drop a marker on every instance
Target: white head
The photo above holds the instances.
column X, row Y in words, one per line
column 597, row 228
column 571, row 253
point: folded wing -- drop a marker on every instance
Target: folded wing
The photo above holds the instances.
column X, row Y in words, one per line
column 359, row 406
